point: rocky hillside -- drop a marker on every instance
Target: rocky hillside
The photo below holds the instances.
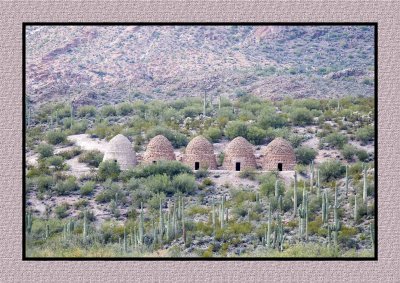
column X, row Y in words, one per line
column 106, row 64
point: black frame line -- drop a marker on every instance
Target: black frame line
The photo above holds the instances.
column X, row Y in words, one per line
column 25, row 24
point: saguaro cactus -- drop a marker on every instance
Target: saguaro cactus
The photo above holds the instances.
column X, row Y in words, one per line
column 335, row 227
column 141, row 225
column 295, row 194
column 365, row 192
column 85, row 226
column 355, row 208
column 276, row 190
column 268, row 239
column 347, row 180
column 325, row 206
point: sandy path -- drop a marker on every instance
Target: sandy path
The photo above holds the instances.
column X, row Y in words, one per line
column 87, row 143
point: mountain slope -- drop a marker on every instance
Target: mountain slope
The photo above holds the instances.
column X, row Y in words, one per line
column 105, row 64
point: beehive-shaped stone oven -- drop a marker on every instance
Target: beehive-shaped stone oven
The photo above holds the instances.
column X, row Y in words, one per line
column 159, row 148
column 120, row 150
column 239, row 155
column 279, row 155
column 200, row 154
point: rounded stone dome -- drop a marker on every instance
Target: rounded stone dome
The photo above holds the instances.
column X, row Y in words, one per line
column 119, row 149
column 279, row 155
column 239, row 155
column 159, row 148
column 200, row 154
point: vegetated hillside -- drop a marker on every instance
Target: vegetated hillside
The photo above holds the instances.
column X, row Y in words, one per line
column 107, row 64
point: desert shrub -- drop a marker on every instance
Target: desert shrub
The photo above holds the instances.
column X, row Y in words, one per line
column 91, row 158
column 78, row 127
column 177, row 139
column 365, row 134
column 305, row 155
column 214, row 134
column 296, row 140
column 159, row 184
column 67, row 186
column 169, row 168
column 256, row 135
column 207, row 182
column 269, row 119
column 140, row 196
column 267, row 186
column 68, row 154
column 331, row 170
column 335, row 140
column 56, row 137
column 248, row 173
column 235, row 129
column 348, row 152
column 201, row 173
column 109, row 169
column 45, row 150
column 124, row 109
column 362, row 155
column 62, row 210
column 87, row 188
column 44, row 183
column 87, row 111
column 56, row 161
column 220, row 158
column 184, row 183
column 108, row 110
column 301, row 116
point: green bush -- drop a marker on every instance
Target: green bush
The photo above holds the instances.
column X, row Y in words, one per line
column 68, row 154
column 169, row 168
column 109, row 169
column 62, row 210
column 92, row 158
column 159, row 184
column 45, row 150
column 248, row 174
column 56, row 137
column 269, row 119
column 87, row 188
column 108, row 110
column 296, row 140
column 235, row 129
column 44, row 183
column 365, row 134
column 256, row 135
column 87, row 111
column 348, row 152
column 335, row 140
column 124, row 109
column 305, row 155
column 214, row 134
column 267, row 186
column 67, row 186
column 362, row 155
column 301, row 116
column 78, row 127
column 331, row 170
column 184, row 183
column 56, row 161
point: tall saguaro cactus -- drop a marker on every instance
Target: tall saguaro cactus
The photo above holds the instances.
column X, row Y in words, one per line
column 295, row 194
column 335, row 227
column 347, row 180
column 365, row 192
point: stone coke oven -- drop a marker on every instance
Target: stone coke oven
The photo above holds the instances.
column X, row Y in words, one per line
column 200, row 154
column 279, row 155
column 239, row 155
column 120, row 150
column 159, row 148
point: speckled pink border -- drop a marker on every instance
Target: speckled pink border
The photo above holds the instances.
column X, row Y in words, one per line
column 13, row 269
